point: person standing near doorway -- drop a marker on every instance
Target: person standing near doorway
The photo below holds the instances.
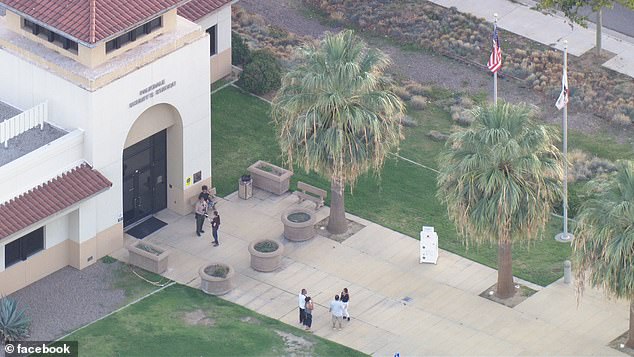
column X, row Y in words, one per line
column 301, row 301
column 208, row 197
column 200, row 212
column 215, row 224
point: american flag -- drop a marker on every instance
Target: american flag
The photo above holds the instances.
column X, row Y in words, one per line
column 563, row 96
column 495, row 60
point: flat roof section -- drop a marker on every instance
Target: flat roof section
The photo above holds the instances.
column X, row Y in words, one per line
column 7, row 111
column 28, row 141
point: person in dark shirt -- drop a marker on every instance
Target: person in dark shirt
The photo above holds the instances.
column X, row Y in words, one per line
column 345, row 297
column 207, row 196
column 215, row 224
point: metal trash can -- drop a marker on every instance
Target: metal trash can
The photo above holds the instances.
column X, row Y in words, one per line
column 245, row 187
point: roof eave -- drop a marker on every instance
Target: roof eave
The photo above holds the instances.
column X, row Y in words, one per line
column 138, row 23
column 91, row 44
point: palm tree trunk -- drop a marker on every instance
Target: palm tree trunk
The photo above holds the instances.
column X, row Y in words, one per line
column 599, row 27
column 337, row 222
column 505, row 286
column 630, row 339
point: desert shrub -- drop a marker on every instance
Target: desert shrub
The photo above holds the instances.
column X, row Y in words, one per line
column 574, row 201
column 621, row 119
column 14, row 324
column 262, row 75
column 418, row 102
column 584, row 167
column 415, row 88
column 420, row 24
column 403, row 93
column 266, row 246
column 437, row 136
column 409, row 121
column 217, row 270
column 240, row 52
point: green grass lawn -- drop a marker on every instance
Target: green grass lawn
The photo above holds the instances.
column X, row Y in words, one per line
column 401, row 198
column 182, row 321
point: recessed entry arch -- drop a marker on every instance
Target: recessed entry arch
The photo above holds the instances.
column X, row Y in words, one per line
column 152, row 163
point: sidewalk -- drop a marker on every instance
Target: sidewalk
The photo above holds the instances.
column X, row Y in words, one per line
column 397, row 304
column 550, row 30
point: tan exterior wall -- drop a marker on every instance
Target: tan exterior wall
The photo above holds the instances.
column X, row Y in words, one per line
column 187, row 200
column 36, row 267
column 93, row 57
column 220, row 65
column 66, row 253
column 82, row 255
column 15, row 23
column 109, row 240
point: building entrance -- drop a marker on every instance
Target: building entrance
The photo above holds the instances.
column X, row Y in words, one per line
column 144, row 178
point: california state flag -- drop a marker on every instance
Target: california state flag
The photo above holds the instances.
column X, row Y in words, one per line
column 563, row 97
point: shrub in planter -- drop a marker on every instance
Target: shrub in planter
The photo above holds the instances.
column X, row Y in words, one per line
column 269, row 177
column 14, row 324
column 216, row 278
column 149, row 257
column 262, row 75
column 240, row 52
column 298, row 224
column 266, row 255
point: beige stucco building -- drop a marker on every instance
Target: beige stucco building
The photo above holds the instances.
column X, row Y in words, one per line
column 104, row 121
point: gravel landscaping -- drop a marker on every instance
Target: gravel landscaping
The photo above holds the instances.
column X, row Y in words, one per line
column 430, row 68
column 69, row 299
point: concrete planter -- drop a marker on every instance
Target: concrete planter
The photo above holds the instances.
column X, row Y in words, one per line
column 273, row 179
column 148, row 256
column 298, row 224
column 214, row 285
column 266, row 261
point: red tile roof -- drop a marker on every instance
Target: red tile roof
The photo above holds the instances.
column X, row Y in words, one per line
column 197, row 9
column 47, row 199
column 90, row 21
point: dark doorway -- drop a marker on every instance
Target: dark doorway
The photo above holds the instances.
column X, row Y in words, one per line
column 144, row 178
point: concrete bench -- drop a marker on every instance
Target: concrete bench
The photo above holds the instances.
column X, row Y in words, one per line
column 212, row 194
column 311, row 193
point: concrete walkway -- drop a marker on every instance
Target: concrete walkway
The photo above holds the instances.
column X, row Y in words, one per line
column 519, row 18
column 397, row 304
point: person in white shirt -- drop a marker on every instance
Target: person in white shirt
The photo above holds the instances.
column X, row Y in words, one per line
column 336, row 309
column 301, row 301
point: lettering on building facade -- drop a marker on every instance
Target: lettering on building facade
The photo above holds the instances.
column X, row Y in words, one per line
column 152, row 90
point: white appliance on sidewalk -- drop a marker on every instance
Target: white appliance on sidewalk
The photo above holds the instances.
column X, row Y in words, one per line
column 428, row 245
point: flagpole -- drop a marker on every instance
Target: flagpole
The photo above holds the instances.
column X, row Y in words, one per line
column 565, row 237
column 495, row 74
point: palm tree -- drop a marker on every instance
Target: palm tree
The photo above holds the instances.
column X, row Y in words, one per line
column 335, row 115
column 499, row 179
column 604, row 244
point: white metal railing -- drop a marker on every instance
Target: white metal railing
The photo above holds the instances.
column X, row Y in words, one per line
column 22, row 122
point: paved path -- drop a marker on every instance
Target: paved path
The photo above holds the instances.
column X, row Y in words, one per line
column 444, row 315
column 519, row 18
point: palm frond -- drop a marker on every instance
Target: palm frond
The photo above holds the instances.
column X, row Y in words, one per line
column 604, row 244
column 334, row 114
column 500, row 177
